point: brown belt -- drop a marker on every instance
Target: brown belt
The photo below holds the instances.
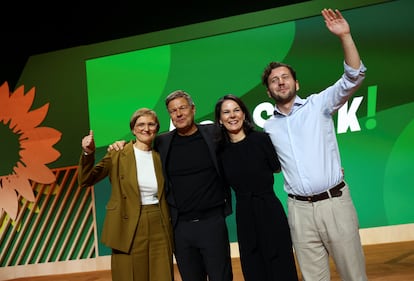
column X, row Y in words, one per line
column 334, row 191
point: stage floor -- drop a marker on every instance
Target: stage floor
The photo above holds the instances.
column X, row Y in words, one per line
column 385, row 262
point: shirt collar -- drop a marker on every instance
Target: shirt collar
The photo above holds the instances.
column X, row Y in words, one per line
column 297, row 103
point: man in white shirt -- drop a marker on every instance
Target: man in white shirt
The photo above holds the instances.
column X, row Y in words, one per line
column 322, row 216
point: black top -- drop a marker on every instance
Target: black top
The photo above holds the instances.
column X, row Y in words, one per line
column 196, row 184
column 249, row 165
column 204, row 149
column 262, row 228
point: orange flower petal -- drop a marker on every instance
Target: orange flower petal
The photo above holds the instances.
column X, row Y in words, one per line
column 21, row 185
column 36, row 147
column 36, row 171
column 42, row 133
column 48, row 154
column 29, row 120
column 5, row 114
column 22, row 102
column 39, row 139
column 8, row 199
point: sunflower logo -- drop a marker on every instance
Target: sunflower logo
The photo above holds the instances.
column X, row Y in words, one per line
column 25, row 148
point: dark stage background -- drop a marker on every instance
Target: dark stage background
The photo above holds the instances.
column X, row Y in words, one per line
column 31, row 28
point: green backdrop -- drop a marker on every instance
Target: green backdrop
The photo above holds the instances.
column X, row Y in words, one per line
column 99, row 86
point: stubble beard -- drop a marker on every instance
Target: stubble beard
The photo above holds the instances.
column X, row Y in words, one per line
column 284, row 99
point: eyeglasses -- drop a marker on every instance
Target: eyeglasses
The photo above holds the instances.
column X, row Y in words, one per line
column 180, row 108
column 142, row 126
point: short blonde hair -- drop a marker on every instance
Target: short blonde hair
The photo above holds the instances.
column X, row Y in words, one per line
column 141, row 112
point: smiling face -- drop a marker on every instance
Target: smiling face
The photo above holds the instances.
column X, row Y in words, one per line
column 182, row 115
column 281, row 85
column 145, row 129
column 232, row 118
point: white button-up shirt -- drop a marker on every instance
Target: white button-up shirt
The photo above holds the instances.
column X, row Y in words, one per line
column 305, row 139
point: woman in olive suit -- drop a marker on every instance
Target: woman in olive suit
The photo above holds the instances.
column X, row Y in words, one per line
column 137, row 225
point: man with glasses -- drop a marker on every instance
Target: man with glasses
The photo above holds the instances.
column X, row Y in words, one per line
column 199, row 199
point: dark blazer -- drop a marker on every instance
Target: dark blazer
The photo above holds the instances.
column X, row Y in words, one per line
column 162, row 144
column 124, row 206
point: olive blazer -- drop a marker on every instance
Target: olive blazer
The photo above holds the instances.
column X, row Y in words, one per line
column 124, row 206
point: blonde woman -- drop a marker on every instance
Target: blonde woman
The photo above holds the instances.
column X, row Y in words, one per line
column 137, row 225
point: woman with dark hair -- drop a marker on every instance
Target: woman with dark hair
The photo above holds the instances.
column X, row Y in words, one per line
column 249, row 161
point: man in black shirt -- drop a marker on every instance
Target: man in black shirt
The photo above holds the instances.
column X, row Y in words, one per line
column 199, row 199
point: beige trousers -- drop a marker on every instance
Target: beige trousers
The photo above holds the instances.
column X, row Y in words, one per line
column 327, row 228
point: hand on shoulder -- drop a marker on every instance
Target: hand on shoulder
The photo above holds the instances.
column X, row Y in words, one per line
column 117, row 145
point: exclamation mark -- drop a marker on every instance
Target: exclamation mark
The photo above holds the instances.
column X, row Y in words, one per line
column 371, row 123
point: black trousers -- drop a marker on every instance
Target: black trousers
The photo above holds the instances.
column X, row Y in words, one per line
column 202, row 249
